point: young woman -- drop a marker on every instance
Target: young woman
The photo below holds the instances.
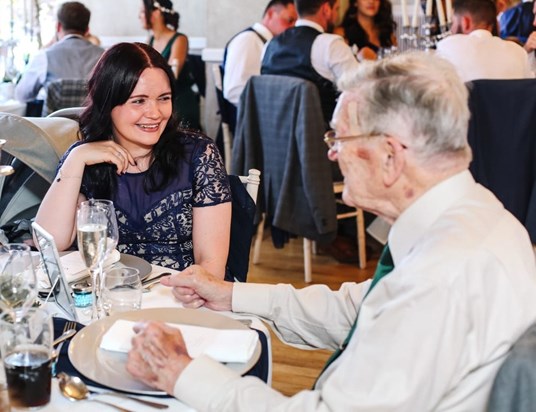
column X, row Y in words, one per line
column 162, row 21
column 369, row 25
column 168, row 185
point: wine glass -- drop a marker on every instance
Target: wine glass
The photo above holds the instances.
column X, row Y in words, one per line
column 91, row 225
column 112, row 232
column 18, row 283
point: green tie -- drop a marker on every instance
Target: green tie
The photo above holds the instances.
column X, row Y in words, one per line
column 385, row 266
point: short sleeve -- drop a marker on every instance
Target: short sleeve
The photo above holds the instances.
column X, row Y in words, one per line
column 210, row 182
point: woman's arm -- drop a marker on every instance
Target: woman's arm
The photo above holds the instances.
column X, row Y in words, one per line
column 211, row 234
column 179, row 52
column 57, row 212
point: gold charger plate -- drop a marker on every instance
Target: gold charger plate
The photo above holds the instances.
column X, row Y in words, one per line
column 109, row 368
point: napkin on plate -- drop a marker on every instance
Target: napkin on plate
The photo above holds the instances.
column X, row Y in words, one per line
column 74, row 267
column 223, row 345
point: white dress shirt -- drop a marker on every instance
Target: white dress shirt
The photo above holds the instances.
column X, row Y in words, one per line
column 244, row 53
column 431, row 334
column 331, row 57
column 480, row 55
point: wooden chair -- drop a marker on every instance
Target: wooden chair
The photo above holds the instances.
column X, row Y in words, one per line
column 280, row 131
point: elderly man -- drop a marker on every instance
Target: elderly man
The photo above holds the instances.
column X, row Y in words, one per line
column 309, row 51
column 475, row 52
column 451, row 294
column 73, row 56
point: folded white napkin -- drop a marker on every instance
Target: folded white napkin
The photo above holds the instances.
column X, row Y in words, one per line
column 74, row 267
column 223, row 345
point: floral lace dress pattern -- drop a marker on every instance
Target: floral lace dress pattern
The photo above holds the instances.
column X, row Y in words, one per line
column 158, row 226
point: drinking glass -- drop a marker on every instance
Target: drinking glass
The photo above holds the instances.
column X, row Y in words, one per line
column 18, row 284
column 26, row 348
column 91, row 225
column 112, row 232
column 122, row 290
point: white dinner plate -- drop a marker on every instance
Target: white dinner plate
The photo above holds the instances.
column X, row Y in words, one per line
column 143, row 266
column 109, row 368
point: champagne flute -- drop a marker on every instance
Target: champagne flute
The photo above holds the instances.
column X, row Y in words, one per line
column 91, row 225
column 112, row 232
column 18, row 283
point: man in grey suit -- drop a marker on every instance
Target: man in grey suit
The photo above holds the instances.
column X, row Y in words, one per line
column 72, row 56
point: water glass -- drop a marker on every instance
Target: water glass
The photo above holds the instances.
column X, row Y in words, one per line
column 18, row 284
column 122, row 290
column 26, row 336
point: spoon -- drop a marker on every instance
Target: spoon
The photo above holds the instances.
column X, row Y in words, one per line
column 74, row 389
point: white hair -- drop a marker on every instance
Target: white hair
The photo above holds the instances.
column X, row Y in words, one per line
column 416, row 97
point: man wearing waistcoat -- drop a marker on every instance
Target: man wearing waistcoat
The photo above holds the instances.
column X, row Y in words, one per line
column 242, row 55
column 71, row 57
column 310, row 52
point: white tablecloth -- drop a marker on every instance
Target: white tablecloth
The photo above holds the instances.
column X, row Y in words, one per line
column 159, row 296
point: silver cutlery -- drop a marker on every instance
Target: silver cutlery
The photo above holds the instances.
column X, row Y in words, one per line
column 74, row 389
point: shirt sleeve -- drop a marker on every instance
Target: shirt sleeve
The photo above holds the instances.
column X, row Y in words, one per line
column 33, row 78
column 243, row 61
column 331, row 57
column 210, row 182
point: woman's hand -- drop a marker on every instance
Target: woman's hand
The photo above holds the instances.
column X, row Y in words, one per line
column 366, row 53
column 103, row 152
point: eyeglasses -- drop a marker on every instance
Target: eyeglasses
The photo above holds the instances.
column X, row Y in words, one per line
column 331, row 138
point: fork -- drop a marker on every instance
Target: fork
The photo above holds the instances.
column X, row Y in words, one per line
column 57, row 351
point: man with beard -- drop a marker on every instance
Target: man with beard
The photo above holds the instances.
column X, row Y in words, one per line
column 310, row 52
column 475, row 52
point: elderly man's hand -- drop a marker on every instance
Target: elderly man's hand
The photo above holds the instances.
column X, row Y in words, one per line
column 158, row 355
column 195, row 287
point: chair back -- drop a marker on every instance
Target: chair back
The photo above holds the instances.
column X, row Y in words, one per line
column 244, row 195
column 69, row 112
column 34, row 147
column 280, row 131
column 514, row 386
column 64, row 93
column 501, row 135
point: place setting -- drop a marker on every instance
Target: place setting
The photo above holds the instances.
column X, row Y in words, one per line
column 79, row 343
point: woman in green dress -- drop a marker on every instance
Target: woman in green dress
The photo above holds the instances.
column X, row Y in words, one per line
column 159, row 17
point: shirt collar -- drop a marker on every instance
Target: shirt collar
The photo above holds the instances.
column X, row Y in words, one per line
column 416, row 219
column 480, row 33
column 309, row 23
column 263, row 31
column 70, row 36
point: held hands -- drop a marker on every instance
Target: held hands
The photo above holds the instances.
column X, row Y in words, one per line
column 195, row 287
column 158, row 355
column 104, row 152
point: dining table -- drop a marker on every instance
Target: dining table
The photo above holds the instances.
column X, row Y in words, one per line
column 13, row 106
column 158, row 296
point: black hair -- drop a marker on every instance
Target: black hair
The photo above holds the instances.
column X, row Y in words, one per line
column 383, row 20
column 171, row 17
column 74, row 17
column 111, row 83
column 481, row 11
column 273, row 3
column 310, row 7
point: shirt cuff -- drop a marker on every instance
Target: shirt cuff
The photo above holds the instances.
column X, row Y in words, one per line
column 201, row 381
column 252, row 298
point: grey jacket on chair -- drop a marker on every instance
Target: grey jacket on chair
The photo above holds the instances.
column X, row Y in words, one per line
column 280, row 131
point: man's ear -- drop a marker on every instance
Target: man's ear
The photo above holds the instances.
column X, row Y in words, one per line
column 467, row 24
column 394, row 160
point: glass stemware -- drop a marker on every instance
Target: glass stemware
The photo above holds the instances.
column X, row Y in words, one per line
column 18, row 283
column 91, row 225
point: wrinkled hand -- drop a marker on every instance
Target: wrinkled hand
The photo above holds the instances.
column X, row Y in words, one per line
column 195, row 287
column 530, row 45
column 158, row 355
column 104, row 152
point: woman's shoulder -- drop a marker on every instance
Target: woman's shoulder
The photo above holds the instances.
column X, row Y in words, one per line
column 194, row 138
